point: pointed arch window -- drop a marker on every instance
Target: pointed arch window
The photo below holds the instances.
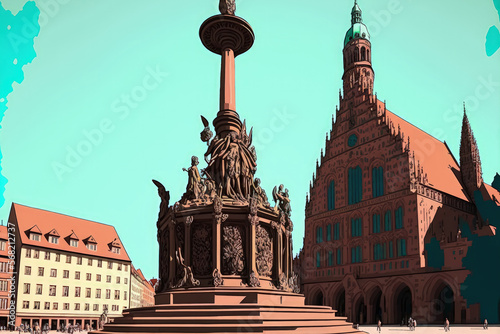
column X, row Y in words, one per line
column 363, row 53
column 388, row 221
column 356, row 227
column 378, row 181
column 336, row 231
column 318, row 259
column 356, row 255
column 398, row 214
column 330, row 258
column 401, row 243
column 319, row 235
column 329, row 232
column 355, row 185
column 331, row 195
column 376, row 223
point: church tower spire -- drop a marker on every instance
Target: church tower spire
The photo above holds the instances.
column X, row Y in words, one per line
column 358, row 72
column 470, row 162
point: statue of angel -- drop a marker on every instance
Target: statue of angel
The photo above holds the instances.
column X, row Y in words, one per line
column 165, row 199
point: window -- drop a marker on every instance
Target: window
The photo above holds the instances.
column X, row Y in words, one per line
column 4, row 285
column 58, row 257
column 356, row 256
column 27, row 288
column 47, row 255
column 36, row 255
column 28, row 252
column 27, row 270
column 77, row 291
column 2, row 245
column 34, row 237
column 98, row 277
column 73, row 243
column 124, row 295
column 319, row 235
column 117, row 279
column 355, row 185
column 87, row 307
column 117, row 294
column 125, row 280
column 318, row 259
column 398, row 214
column 53, row 240
column 331, row 196
column 378, row 181
column 391, row 250
column 339, row 256
column 98, row 293
column 126, row 267
column 36, row 306
column 52, row 290
column 379, row 251
column 330, row 258
column 92, row 247
column 79, row 260
column 108, row 279
column 55, row 306
column 110, row 265
column 47, row 306
column 96, row 307
column 388, row 221
column 356, row 227
column 119, row 266
column 376, row 223
column 26, row 304
column 329, row 232
column 66, row 274
column 88, row 292
column 115, row 307
column 38, row 289
column 77, row 306
column 66, row 306
column 89, row 262
column 115, row 250
column 53, row 272
column 68, row 258
column 336, row 231
column 401, row 244
column 99, row 263
column 108, row 293
column 40, row 271
column 77, row 275
column 89, row 276
column 105, row 307
column 65, row 292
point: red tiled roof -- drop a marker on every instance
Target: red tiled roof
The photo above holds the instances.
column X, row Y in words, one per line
column 491, row 193
column 35, row 229
column 26, row 217
column 443, row 172
column 54, row 233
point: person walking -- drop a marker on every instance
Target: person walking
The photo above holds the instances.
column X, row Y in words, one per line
column 446, row 325
column 379, row 326
column 485, row 325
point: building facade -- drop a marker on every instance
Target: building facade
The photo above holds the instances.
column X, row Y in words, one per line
column 6, row 269
column 69, row 270
column 141, row 291
column 385, row 197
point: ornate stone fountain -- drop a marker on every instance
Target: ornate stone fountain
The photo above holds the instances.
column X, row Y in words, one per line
column 225, row 261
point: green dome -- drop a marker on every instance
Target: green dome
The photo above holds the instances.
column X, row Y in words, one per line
column 358, row 30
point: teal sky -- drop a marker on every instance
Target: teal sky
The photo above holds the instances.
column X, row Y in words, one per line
column 428, row 58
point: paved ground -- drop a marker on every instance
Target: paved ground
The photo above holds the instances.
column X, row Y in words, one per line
column 471, row 329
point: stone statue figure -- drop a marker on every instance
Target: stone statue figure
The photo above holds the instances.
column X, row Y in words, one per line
column 260, row 194
column 227, row 7
column 232, row 165
column 206, row 134
column 165, row 199
column 282, row 200
column 103, row 319
column 194, row 187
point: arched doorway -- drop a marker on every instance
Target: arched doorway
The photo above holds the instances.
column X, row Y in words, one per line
column 340, row 304
column 375, row 303
column 318, row 299
column 360, row 311
column 444, row 305
column 403, row 305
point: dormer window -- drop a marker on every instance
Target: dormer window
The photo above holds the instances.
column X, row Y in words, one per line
column 90, row 243
column 53, row 239
column 34, row 233
column 115, row 250
column 34, row 236
column 92, row 247
column 73, row 243
column 115, row 246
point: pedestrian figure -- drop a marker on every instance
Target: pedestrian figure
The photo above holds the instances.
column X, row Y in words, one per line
column 447, row 325
column 379, row 325
column 485, row 325
column 414, row 324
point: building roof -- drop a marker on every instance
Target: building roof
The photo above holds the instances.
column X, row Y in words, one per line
column 68, row 228
column 434, row 156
